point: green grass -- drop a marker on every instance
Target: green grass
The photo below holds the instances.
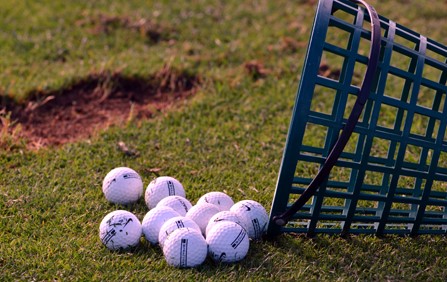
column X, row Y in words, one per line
column 229, row 137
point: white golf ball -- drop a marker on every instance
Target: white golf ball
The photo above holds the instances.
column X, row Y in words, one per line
column 120, row 230
column 153, row 221
column 162, row 187
column 253, row 216
column 220, row 199
column 173, row 224
column 227, row 242
column 201, row 214
column 122, row 185
column 177, row 203
column 223, row 216
column 185, row 247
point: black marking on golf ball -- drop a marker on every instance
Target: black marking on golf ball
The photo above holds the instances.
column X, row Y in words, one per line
column 171, row 188
column 222, row 257
column 238, row 240
column 131, row 175
column 183, row 204
column 121, row 222
column 128, row 221
column 110, row 223
column 108, row 236
column 184, row 252
column 256, row 227
column 247, row 207
column 180, row 224
column 110, row 183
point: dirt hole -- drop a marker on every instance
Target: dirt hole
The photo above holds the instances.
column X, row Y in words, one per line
column 256, row 69
column 326, row 71
column 93, row 104
column 106, row 24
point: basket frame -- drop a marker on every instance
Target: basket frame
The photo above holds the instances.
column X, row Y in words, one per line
column 390, row 206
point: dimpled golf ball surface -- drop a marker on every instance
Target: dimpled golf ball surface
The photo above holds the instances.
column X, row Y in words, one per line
column 253, row 216
column 227, row 242
column 185, row 247
column 162, row 187
column 122, row 185
column 120, row 230
column 153, row 220
column 201, row 214
column 220, row 199
column 177, row 203
column 223, row 216
column 173, row 224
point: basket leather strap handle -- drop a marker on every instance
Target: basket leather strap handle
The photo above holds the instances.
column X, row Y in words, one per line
column 353, row 118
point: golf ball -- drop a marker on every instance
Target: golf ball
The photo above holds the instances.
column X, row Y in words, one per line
column 120, row 230
column 173, row 224
column 253, row 216
column 185, row 247
column 177, row 203
column 122, row 185
column 153, row 221
column 223, row 216
column 201, row 214
column 162, row 187
column 220, row 199
column 227, row 242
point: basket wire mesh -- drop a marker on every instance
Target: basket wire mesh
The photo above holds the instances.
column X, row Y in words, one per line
column 392, row 176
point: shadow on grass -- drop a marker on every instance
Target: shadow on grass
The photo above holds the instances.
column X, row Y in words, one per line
column 358, row 257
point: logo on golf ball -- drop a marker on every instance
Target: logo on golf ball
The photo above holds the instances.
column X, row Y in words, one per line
column 256, row 227
column 238, row 240
column 171, row 188
column 179, row 224
column 184, row 253
column 130, row 175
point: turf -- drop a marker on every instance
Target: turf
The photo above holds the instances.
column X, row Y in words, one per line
column 229, row 137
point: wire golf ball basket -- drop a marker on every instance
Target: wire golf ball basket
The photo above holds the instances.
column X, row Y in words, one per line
column 366, row 151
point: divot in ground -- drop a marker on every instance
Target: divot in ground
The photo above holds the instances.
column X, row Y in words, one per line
column 96, row 102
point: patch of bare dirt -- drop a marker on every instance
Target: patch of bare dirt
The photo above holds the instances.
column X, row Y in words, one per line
column 95, row 103
column 326, row 71
column 149, row 28
column 256, row 69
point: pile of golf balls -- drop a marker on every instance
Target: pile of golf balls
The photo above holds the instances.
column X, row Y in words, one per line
column 215, row 227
